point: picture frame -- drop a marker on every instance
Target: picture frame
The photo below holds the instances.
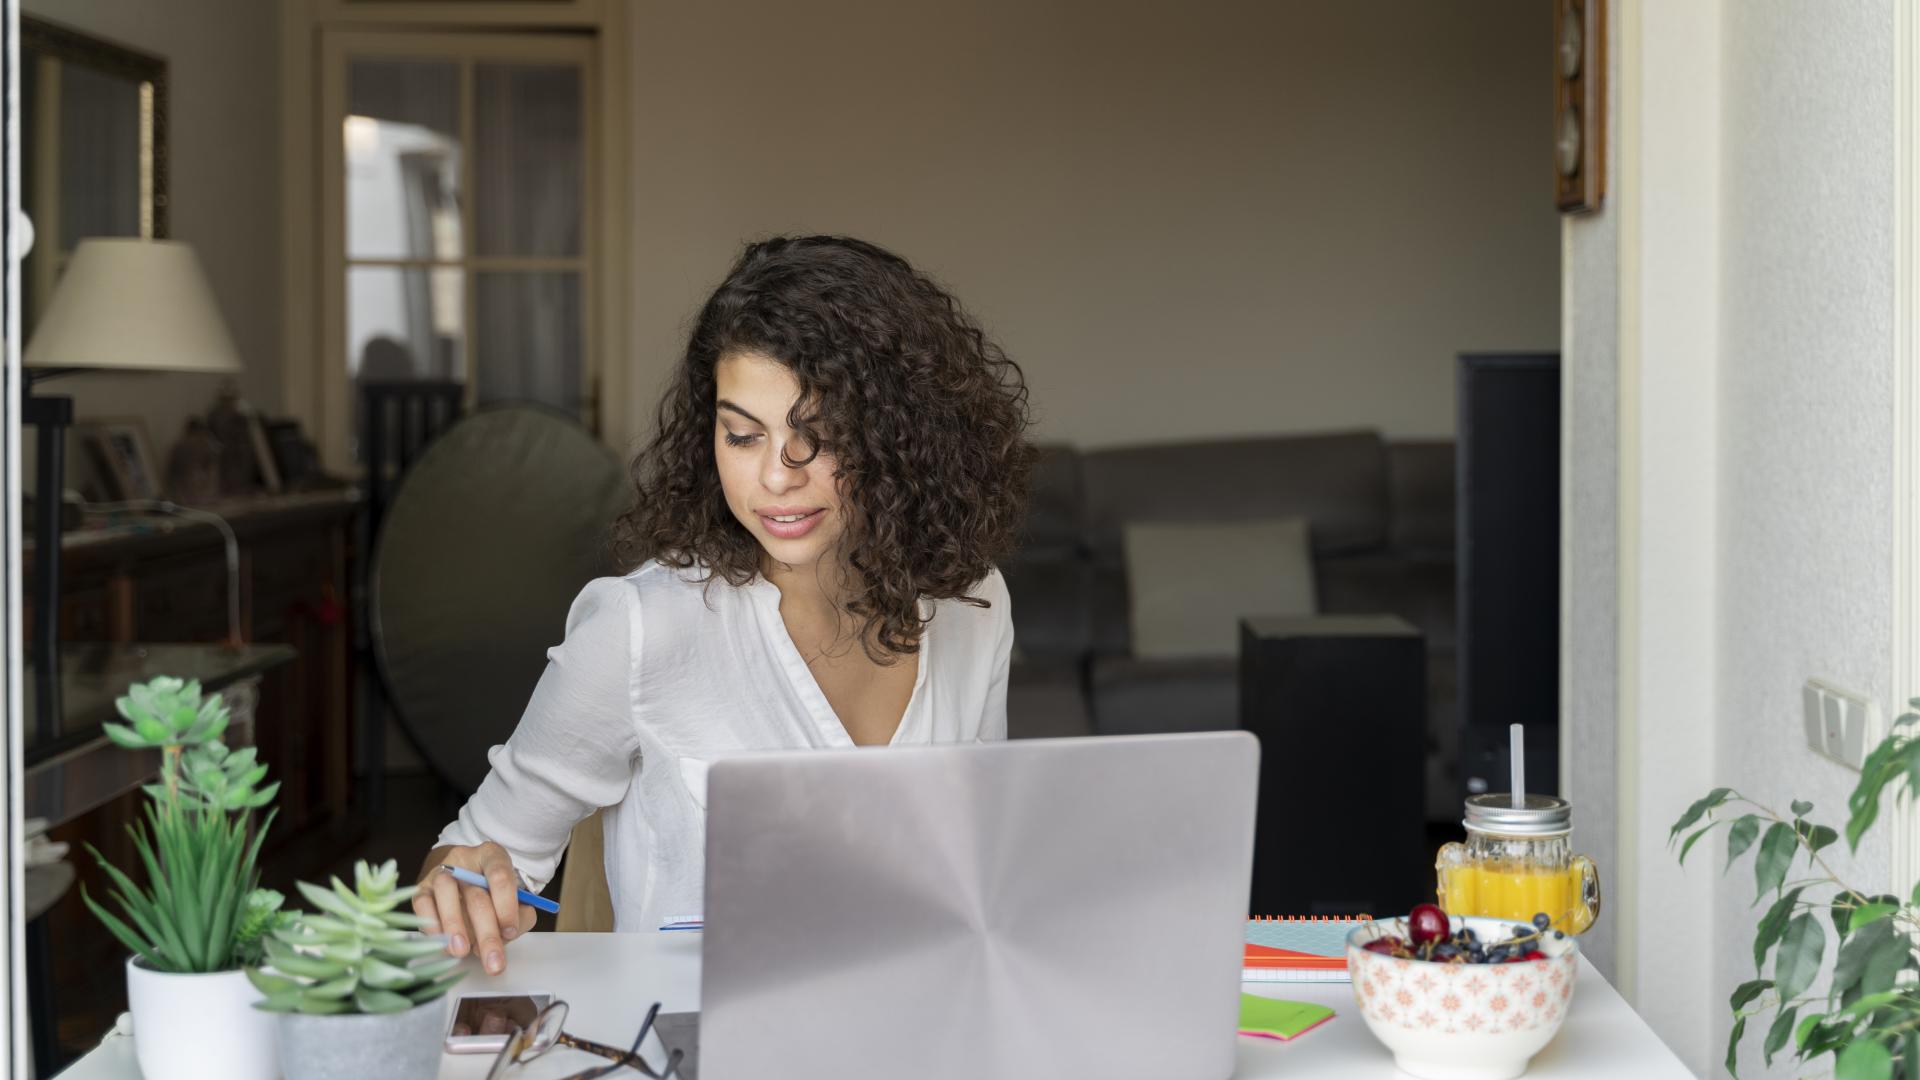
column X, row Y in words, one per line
column 122, row 456
column 264, row 464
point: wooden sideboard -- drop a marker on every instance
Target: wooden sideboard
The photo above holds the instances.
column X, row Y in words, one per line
column 148, row 578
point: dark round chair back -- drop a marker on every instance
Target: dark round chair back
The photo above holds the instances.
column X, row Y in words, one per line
column 488, row 539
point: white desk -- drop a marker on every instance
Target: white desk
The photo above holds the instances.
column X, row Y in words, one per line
column 608, row 980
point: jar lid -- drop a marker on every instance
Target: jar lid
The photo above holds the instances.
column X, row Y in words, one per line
column 1537, row 815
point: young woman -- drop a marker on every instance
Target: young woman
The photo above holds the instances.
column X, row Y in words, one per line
column 839, row 462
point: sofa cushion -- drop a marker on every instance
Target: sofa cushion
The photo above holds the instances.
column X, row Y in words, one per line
column 1418, row 590
column 1051, row 596
column 1420, row 474
column 1190, row 583
column 1139, row 697
column 1053, row 519
column 1337, row 482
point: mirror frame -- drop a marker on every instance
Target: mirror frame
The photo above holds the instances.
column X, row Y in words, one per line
column 74, row 46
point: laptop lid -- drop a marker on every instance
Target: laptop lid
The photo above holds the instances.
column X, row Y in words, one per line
column 1042, row 908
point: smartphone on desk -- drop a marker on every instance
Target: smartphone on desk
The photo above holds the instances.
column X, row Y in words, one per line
column 482, row 1022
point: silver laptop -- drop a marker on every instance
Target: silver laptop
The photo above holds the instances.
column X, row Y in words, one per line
column 1047, row 909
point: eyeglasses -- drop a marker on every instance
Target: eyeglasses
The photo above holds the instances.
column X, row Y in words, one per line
column 545, row 1033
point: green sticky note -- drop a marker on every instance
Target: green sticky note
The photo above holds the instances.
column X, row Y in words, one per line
column 1271, row 1018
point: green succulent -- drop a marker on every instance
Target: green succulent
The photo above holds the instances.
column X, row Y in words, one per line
column 261, row 916
column 201, row 909
column 167, row 712
column 202, row 873
column 357, row 954
column 215, row 776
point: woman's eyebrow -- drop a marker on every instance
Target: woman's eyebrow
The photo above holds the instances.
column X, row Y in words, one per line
column 723, row 403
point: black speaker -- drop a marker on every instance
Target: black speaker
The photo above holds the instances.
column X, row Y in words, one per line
column 1508, row 516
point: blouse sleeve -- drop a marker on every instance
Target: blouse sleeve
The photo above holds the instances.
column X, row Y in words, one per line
column 576, row 748
column 993, row 722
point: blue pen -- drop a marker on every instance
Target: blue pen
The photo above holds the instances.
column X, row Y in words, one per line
column 532, row 900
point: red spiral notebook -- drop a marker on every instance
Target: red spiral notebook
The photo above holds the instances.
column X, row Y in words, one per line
column 1306, row 948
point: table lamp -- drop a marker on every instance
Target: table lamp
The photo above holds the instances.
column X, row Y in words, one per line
column 121, row 305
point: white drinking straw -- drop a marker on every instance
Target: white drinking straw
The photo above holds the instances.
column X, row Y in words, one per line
column 1517, row 749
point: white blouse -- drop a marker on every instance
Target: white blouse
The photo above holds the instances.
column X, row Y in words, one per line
column 659, row 675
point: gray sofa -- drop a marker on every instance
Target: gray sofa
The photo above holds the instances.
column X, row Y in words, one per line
column 1381, row 521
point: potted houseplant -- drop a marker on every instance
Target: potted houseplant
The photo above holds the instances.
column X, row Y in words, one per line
column 358, row 991
column 1869, row 1017
column 200, row 917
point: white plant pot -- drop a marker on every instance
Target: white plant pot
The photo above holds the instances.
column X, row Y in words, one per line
column 199, row 1027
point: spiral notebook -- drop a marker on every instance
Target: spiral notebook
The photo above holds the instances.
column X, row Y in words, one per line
column 1306, row 948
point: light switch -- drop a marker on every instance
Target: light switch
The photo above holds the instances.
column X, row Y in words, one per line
column 1837, row 723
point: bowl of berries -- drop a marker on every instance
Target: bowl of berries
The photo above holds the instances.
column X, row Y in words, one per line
column 1462, row 998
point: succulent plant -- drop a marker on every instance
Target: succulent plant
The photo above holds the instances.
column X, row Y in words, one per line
column 357, row 954
column 201, row 909
column 167, row 712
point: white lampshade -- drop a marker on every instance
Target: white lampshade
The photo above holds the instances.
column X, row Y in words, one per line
column 133, row 305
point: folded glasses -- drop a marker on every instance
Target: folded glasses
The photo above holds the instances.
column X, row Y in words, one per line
column 545, row 1033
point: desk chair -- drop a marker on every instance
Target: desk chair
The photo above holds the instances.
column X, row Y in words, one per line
column 586, row 905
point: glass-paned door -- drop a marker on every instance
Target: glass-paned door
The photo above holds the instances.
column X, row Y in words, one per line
column 459, row 219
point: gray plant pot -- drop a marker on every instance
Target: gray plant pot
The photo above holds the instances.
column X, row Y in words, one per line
column 356, row 1046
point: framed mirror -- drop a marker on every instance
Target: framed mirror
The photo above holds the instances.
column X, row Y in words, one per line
column 93, row 148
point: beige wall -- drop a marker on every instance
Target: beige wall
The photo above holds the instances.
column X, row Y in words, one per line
column 1183, row 219
column 224, row 157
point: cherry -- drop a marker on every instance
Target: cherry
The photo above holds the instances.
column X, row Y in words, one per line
column 1426, row 922
column 1534, row 954
column 1385, row 946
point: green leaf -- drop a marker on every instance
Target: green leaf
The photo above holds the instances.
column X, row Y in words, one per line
column 1864, row 1059
column 337, row 989
column 1741, row 837
column 1712, row 800
column 322, row 1006
column 1814, row 837
column 1850, row 968
column 1871, row 1002
column 1733, row 1046
column 1807, row 1024
column 1747, row 991
column 1772, row 925
column 381, row 975
column 1869, row 914
column 1798, row 961
column 433, row 969
column 1778, row 1034
column 124, row 736
column 1801, row 809
column 1692, row 840
column 271, row 984
column 380, row 1001
column 1776, row 855
column 435, row 988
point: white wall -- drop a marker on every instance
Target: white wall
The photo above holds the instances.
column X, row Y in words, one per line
column 1589, row 534
column 1747, row 262
column 1183, row 220
column 1806, row 404
column 223, row 157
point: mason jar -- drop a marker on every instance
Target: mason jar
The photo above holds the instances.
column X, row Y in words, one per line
column 1518, row 862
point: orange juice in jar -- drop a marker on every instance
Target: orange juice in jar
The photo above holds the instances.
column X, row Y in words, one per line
column 1518, row 862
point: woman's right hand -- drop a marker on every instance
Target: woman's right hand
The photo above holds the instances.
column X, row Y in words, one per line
column 475, row 920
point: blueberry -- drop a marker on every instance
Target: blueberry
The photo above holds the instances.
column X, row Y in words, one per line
column 1559, row 935
column 1468, row 936
column 1541, row 922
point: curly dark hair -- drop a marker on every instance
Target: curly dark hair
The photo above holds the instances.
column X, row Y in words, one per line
column 924, row 416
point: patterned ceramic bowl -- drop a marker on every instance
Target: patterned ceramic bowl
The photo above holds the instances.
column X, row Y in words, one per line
column 1447, row 1021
